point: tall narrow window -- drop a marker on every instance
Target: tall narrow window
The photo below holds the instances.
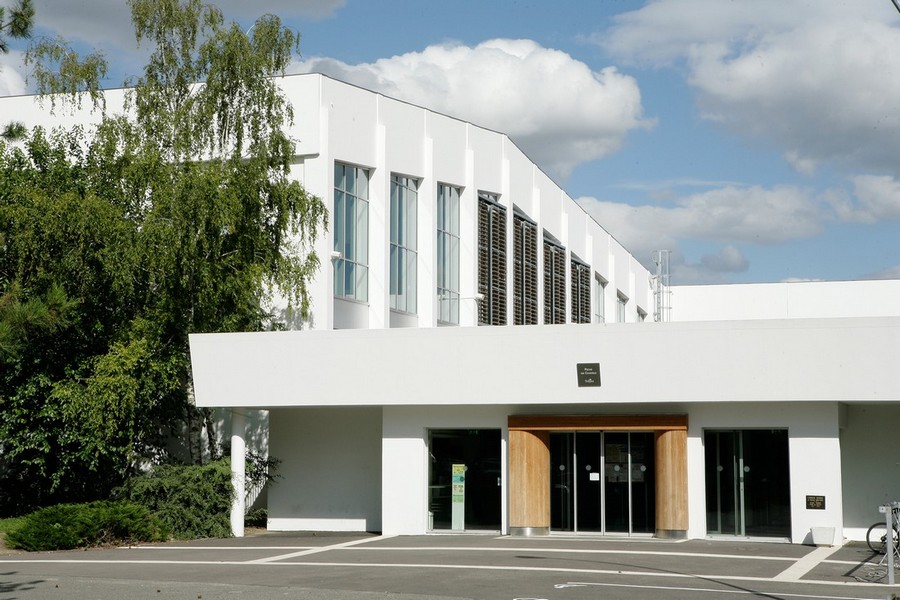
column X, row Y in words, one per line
column 581, row 291
column 351, row 232
column 448, row 254
column 491, row 260
column 525, row 284
column 621, row 301
column 554, row 281
column 404, row 196
column 599, row 299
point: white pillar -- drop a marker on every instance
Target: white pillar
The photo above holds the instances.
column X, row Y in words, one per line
column 238, row 463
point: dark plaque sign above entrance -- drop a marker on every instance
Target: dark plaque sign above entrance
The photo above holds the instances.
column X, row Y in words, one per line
column 588, row 374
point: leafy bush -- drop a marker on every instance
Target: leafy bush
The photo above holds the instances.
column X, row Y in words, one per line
column 192, row 501
column 257, row 518
column 67, row 526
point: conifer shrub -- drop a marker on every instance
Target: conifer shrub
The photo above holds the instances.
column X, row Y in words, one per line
column 192, row 501
column 68, row 526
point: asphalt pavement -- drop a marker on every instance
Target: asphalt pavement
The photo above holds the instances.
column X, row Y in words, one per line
column 442, row 567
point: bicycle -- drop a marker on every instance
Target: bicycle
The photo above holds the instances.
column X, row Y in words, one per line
column 876, row 536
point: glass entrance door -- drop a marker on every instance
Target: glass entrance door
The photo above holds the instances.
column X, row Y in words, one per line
column 748, row 482
column 602, row 482
column 464, row 480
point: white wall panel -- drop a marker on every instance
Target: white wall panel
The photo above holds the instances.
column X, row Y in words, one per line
column 330, row 469
column 791, row 300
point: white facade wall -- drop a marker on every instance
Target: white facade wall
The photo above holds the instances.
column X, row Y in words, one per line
column 790, row 300
column 330, row 469
column 391, row 137
column 797, row 361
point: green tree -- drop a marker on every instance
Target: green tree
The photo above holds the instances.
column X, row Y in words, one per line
column 17, row 25
column 177, row 216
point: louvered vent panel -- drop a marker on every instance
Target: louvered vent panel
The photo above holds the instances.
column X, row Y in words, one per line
column 484, row 259
column 531, row 276
column 525, row 276
column 554, row 283
column 498, row 266
column 581, row 292
column 491, row 263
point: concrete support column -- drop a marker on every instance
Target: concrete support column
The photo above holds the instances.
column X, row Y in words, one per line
column 529, row 482
column 671, row 484
column 238, row 468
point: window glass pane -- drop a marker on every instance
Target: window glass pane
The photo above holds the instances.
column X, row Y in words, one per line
column 411, row 221
column 401, row 217
column 454, row 211
column 441, row 208
column 350, row 220
column 362, row 283
column 454, row 308
column 338, row 221
column 394, row 276
column 349, row 228
column 395, row 216
column 350, row 180
column 362, row 240
column 441, row 253
column 362, row 184
column 339, row 277
column 349, row 278
column 411, row 281
column 454, row 264
column 443, row 308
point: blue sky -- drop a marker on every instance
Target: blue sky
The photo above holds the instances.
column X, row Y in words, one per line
column 755, row 139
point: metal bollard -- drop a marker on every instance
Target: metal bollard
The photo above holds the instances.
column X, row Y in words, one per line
column 888, row 511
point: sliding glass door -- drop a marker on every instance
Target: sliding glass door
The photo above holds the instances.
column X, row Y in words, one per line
column 602, row 482
column 748, row 483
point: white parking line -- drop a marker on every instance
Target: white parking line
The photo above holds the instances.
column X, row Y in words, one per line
column 317, row 550
column 151, row 547
column 806, row 564
column 741, row 557
column 717, row 591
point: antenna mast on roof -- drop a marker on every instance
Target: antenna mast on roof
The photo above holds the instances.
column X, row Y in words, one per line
column 661, row 294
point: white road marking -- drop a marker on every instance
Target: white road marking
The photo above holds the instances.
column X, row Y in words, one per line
column 806, row 564
column 717, row 591
column 151, row 547
column 317, row 550
column 580, row 551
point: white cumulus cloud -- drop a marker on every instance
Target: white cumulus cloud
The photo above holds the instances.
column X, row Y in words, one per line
column 729, row 259
column 877, row 199
column 12, row 83
column 730, row 216
column 814, row 78
column 559, row 111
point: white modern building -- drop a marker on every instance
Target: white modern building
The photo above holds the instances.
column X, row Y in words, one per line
column 483, row 356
